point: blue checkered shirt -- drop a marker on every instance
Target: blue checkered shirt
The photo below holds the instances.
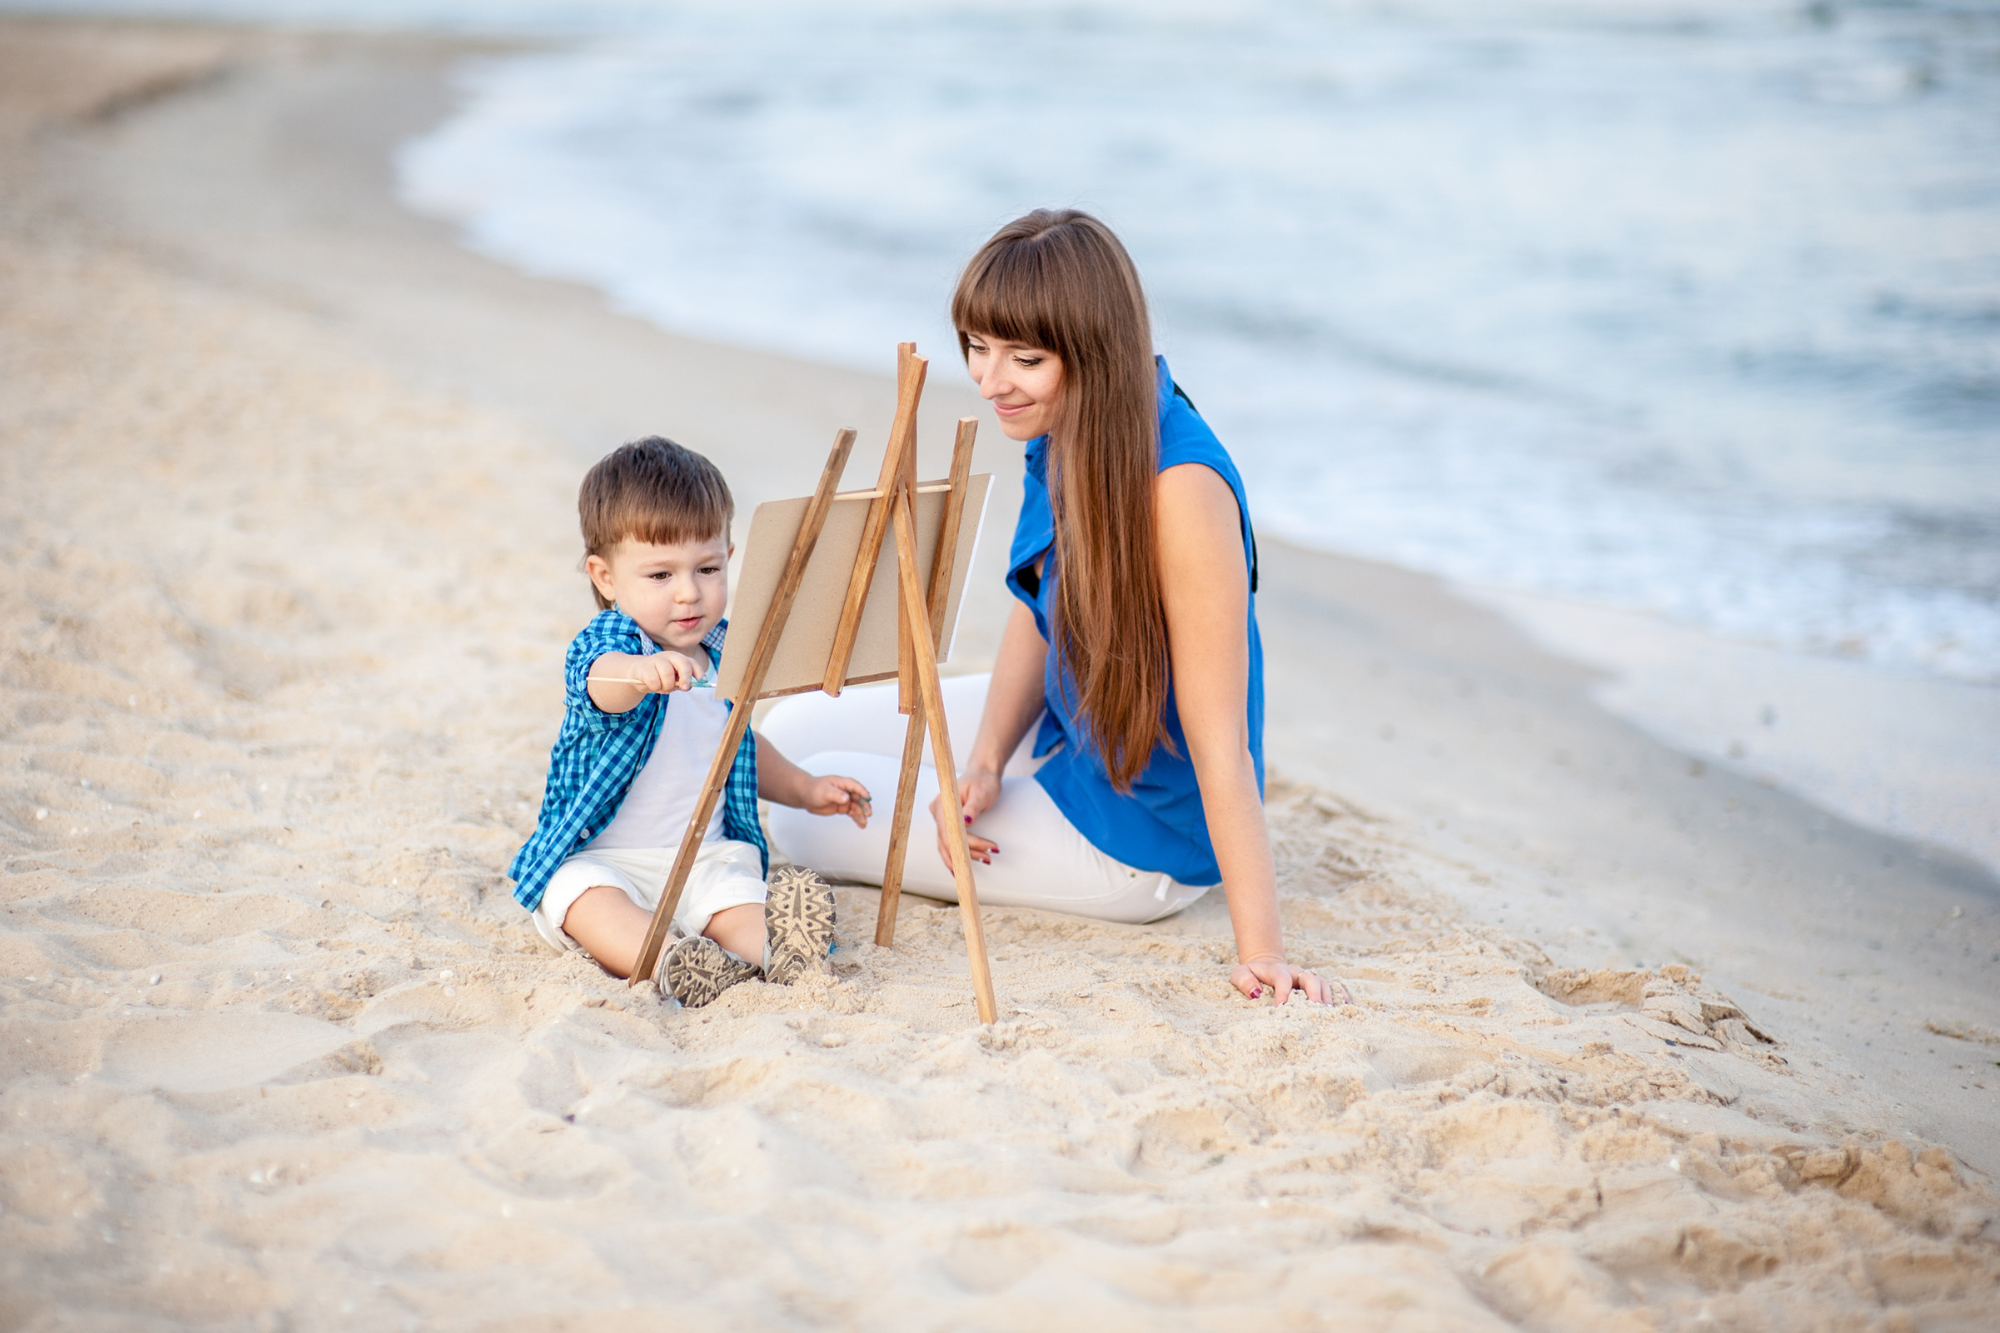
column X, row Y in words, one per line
column 597, row 754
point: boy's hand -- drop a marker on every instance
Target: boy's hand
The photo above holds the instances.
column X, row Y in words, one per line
column 832, row 795
column 618, row 681
column 664, row 672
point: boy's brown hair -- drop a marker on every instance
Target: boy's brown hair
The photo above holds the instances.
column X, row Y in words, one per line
column 651, row 490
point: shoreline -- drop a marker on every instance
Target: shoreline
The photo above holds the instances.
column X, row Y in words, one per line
column 1896, row 752
column 259, row 202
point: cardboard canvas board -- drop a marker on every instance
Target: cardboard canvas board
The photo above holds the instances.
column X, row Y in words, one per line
column 800, row 661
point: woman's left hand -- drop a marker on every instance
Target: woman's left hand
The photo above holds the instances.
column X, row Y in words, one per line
column 1253, row 976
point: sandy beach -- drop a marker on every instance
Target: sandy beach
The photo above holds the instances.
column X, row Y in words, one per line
column 286, row 490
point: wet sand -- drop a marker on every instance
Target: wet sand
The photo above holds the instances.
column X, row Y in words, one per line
column 287, row 504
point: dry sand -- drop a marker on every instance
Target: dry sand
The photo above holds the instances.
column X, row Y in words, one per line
column 283, row 619
column 1542, row 812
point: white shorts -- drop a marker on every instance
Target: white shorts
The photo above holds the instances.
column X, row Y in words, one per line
column 1042, row 862
column 726, row 873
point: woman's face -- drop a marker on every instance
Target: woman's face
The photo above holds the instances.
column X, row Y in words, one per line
column 1021, row 382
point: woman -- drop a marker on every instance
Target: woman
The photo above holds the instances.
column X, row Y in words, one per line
column 1131, row 655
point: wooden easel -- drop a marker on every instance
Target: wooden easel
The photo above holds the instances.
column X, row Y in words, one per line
column 920, row 621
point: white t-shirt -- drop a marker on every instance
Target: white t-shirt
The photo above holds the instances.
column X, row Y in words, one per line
column 665, row 792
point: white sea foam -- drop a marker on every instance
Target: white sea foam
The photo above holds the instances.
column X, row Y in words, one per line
column 1691, row 308
column 1697, row 317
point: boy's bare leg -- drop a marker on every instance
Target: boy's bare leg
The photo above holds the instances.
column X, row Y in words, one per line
column 611, row 927
column 739, row 929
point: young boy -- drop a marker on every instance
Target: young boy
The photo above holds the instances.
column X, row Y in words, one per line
column 640, row 727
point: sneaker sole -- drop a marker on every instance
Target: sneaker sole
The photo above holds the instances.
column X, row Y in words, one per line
column 798, row 921
column 699, row 970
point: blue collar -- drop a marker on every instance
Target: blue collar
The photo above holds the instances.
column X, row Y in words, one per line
column 1038, row 459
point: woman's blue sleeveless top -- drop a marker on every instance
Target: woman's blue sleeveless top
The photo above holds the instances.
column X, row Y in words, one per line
column 1160, row 825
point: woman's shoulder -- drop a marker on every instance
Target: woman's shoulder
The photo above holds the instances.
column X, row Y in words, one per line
column 1184, row 436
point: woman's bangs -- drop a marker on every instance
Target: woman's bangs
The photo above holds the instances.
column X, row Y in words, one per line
column 1005, row 297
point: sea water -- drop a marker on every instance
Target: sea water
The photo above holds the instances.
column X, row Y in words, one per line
column 1684, row 307
column 1691, row 308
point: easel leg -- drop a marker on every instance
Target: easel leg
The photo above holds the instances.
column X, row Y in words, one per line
column 910, row 369
column 951, row 815
column 907, row 693
column 746, row 697
column 899, row 831
column 670, row 896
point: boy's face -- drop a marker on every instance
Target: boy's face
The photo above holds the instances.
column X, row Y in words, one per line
column 676, row 592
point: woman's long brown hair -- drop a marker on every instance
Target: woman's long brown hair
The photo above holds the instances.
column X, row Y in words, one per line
column 1061, row 282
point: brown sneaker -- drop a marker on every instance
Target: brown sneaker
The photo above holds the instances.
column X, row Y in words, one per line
column 697, row 970
column 798, row 925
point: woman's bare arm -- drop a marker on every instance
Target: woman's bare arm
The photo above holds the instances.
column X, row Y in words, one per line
column 1013, row 702
column 1014, row 699
column 1205, row 592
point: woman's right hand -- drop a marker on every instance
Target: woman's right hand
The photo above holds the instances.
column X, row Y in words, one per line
column 1013, row 702
column 978, row 789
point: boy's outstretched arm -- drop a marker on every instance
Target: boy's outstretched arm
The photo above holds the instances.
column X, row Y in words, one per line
column 783, row 782
column 618, row 681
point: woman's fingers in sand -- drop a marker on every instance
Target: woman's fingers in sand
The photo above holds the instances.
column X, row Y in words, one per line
column 1255, row 976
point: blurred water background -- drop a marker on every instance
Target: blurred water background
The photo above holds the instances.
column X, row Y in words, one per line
column 1688, row 308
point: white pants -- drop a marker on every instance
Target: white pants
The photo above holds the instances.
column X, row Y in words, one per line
column 1042, row 862
column 726, row 873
